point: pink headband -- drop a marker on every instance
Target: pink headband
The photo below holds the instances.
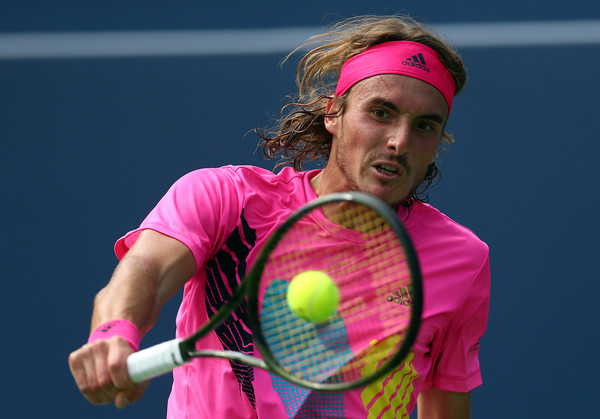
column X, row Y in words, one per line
column 398, row 57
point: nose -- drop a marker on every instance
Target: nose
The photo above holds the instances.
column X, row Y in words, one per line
column 399, row 139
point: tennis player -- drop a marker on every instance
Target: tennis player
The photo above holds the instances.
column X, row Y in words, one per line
column 374, row 97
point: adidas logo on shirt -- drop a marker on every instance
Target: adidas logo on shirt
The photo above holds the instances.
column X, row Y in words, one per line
column 417, row 61
column 401, row 297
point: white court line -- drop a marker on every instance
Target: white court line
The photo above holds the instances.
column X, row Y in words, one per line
column 522, row 34
column 21, row 46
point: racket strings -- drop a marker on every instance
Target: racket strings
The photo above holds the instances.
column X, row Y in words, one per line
column 364, row 257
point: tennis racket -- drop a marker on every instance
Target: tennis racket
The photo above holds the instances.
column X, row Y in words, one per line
column 360, row 243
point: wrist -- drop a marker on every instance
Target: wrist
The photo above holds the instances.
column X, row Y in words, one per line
column 119, row 327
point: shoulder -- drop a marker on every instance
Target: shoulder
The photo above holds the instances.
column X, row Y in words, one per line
column 455, row 264
column 257, row 186
column 444, row 245
column 428, row 224
column 239, row 175
column 253, row 175
column 235, row 179
column 244, row 187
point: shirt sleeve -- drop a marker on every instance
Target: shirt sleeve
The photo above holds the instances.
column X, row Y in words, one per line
column 457, row 366
column 197, row 210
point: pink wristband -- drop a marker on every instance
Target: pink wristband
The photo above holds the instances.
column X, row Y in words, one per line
column 120, row 327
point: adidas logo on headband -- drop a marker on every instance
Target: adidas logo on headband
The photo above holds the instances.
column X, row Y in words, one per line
column 386, row 58
column 416, row 61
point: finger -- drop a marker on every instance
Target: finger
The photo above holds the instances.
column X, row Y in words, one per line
column 78, row 370
column 117, row 363
column 82, row 367
column 124, row 398
column 105, row 389
column 100, row 372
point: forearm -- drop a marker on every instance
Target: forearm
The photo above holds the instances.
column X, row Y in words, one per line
column 149, row 274
column 154, row 269
column 131, row 294
column 100, row 367
column 440, row 404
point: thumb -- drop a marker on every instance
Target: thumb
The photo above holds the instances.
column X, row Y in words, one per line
column 125, row 397
column 122, row 400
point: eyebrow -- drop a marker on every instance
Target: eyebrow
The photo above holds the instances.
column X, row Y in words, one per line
column 384, row 102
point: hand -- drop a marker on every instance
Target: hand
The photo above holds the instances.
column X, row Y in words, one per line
column 100, row 372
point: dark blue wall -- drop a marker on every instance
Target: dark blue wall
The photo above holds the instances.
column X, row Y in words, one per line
column 90, row 145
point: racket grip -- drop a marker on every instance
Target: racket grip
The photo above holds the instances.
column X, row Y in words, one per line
column 155, row 360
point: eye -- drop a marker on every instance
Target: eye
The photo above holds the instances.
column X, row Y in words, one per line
column 380, row 113
column 429, row 126
column 425, row 126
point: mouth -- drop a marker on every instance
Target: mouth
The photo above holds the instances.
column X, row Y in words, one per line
column 387, row 169
column 390, row 168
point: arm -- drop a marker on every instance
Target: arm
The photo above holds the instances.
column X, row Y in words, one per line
column 153, row 270
column 441, row 404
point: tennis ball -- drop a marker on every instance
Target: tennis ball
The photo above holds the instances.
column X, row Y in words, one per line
column 313, row 296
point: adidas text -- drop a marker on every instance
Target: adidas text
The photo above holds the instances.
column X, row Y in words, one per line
column 417, row 65
column 396, row 298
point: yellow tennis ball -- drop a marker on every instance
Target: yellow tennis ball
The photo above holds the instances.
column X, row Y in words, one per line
column 313, row 296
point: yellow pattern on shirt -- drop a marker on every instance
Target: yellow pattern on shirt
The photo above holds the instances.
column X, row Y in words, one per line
column 389, row 396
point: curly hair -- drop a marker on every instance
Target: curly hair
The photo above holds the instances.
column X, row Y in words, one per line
column 300, row 135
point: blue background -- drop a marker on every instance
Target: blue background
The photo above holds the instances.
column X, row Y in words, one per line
column 90, row 145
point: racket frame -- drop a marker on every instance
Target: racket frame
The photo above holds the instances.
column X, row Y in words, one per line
column 391, row 218
column 179, row 351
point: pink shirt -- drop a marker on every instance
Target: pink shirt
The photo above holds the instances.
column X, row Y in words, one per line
column 224, row 215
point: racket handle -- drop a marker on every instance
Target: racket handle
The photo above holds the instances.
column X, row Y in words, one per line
column 155, row 360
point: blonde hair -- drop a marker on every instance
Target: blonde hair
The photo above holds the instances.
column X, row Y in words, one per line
column 300, row 135
column 320, row 67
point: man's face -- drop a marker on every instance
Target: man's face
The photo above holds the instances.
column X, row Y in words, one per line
column 387, row 137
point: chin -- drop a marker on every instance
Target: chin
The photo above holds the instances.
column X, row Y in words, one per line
column 392, row 200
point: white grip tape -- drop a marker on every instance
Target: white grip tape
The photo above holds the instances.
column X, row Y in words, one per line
column 154, row 361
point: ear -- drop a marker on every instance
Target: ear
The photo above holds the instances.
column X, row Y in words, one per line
column 434, row 158
column 332, row 123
